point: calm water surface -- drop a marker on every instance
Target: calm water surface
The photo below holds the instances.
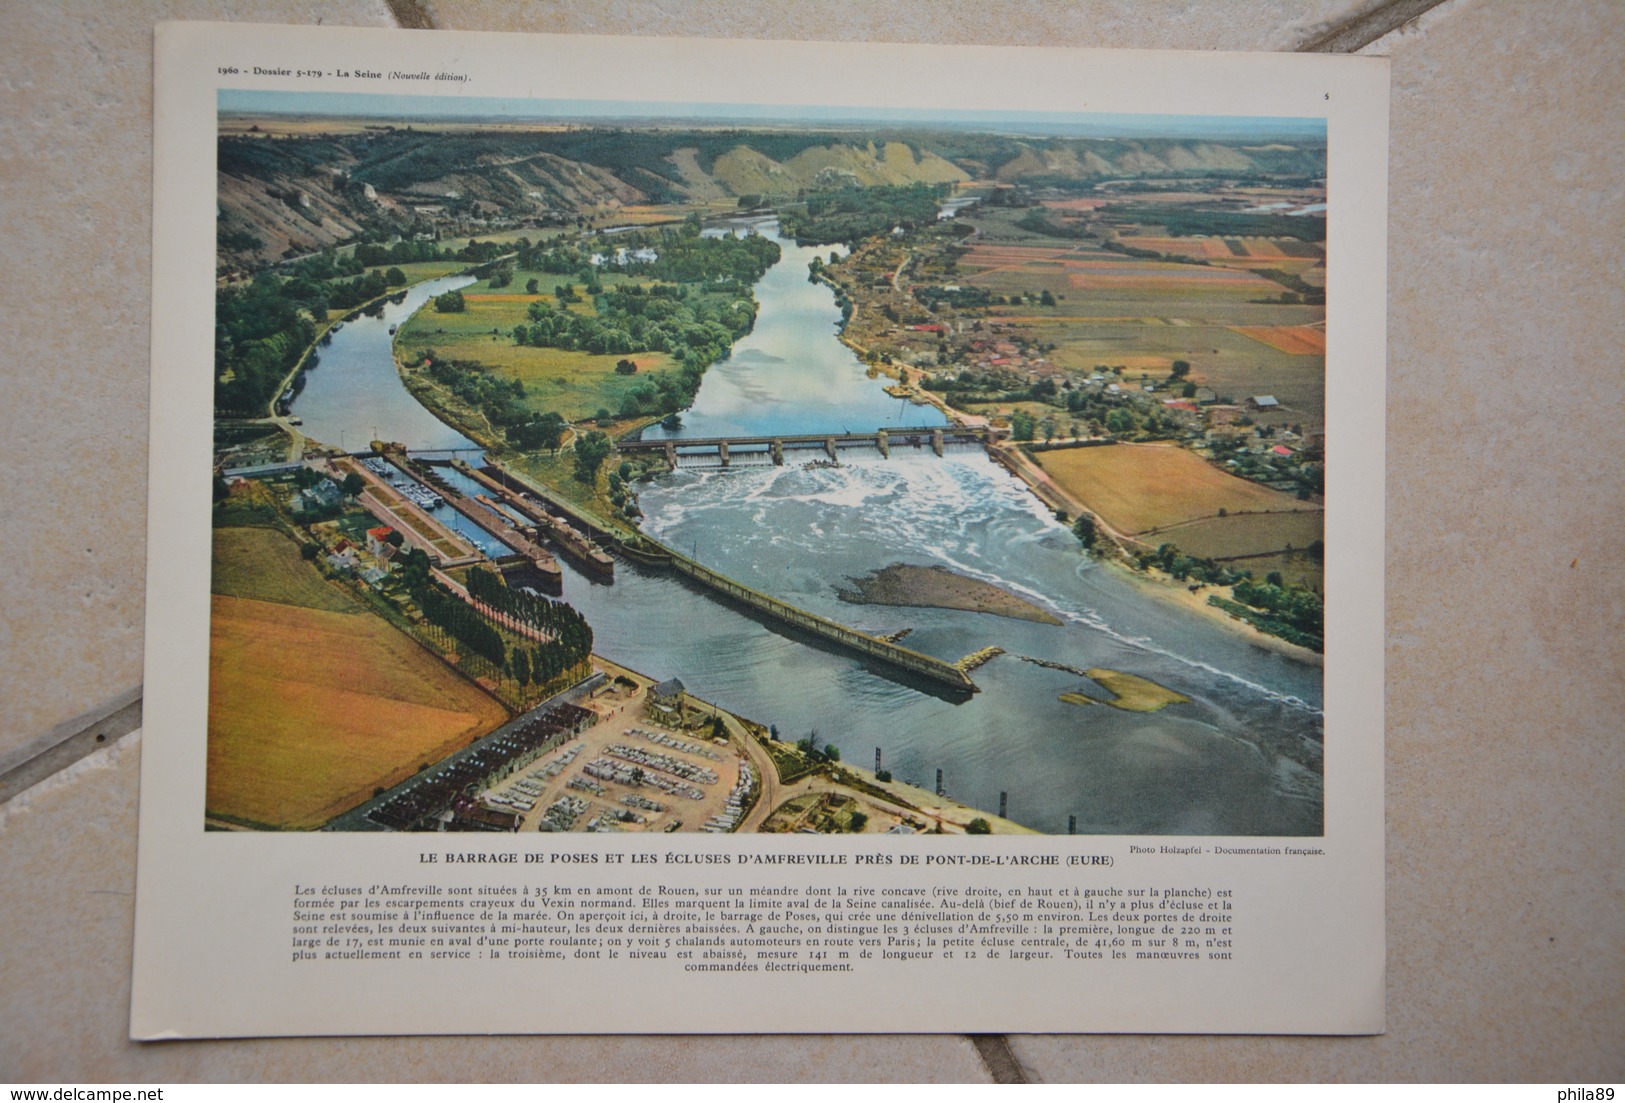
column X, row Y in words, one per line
column 355, row 394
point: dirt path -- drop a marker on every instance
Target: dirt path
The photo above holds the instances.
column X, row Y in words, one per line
column 897, row 276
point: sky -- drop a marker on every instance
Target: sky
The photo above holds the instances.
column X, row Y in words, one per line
column 603, row 112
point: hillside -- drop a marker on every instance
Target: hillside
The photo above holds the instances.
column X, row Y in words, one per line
column 288, row 191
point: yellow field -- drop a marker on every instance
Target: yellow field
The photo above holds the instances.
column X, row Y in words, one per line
column 1139, row 487
column 311, row 710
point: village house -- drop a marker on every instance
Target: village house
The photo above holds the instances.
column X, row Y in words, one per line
column 324, row 493
column 666, row 698
column 343, row 562
column 378, row 541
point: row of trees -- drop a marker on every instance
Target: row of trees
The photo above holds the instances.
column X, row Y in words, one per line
column 450, row 617
column 371, row 254
column 558, row 619
column 1171, row 560
column 1299, row 608
column 453, row 621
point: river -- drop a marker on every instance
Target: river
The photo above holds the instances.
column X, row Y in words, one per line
column 355, row 395
column 1243, row 757
column 790, row 375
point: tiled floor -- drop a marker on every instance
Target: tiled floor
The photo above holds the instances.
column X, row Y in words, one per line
column 1505, row 687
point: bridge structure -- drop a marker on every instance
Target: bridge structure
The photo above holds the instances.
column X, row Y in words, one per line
column 726, row 449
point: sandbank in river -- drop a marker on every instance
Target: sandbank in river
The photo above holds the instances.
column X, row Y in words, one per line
column 940, row 588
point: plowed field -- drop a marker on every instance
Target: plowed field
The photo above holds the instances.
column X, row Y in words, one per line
column 1294, row 340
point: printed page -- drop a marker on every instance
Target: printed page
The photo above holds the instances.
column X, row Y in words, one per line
column 661, row 535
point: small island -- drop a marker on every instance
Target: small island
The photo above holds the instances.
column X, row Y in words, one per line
column 940, row 588
column 1130, row 692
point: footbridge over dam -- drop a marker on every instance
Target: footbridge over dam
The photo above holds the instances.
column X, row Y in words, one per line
column 725, row 450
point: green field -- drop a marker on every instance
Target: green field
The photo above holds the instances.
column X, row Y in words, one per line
column 557, row 472
column 1243, row 534
column 265, row 565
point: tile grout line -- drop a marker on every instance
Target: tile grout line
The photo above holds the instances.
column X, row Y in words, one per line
column 69, row 742
column 999, row 1059
column 410, row 15
column 1361, row 31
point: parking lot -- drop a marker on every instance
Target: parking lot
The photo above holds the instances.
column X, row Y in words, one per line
column 628, row 773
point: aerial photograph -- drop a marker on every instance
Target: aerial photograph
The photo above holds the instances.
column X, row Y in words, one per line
column 659, row 467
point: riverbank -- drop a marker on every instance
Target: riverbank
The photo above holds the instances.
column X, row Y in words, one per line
column 822, row 798
column 1151, row 581
column 1171, row 590
column 823, row 801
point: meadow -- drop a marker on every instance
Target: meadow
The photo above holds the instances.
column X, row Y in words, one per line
column 575, row 385
column 262, row 564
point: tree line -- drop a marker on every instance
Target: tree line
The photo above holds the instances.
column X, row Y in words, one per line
column 494, row 395
column 263, row 327
column 571, row 641
column 851, row 214
column 452, row 621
